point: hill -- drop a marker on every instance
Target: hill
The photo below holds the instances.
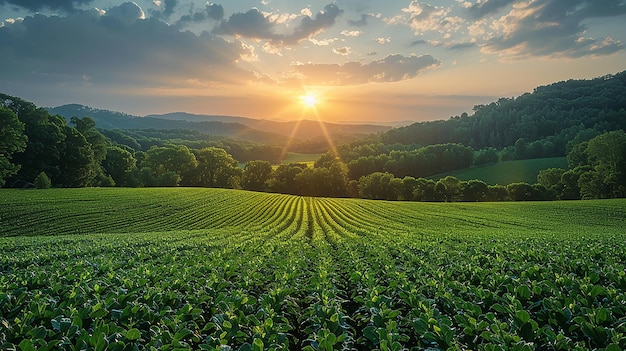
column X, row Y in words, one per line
column 110, row 120
column 302, row 129
column 199, row 269
column 552, row 115
column 260, row 131
column 507, row 172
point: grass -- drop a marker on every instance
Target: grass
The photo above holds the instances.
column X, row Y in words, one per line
column 301, row 158
column 508, row 172
column 215, row 269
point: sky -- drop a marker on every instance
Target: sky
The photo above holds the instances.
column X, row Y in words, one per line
column 358, row 60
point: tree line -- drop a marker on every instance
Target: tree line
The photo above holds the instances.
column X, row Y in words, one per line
column 40, row 149
column 549, row 121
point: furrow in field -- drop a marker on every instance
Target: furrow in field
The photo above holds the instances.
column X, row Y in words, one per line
column 338, row 222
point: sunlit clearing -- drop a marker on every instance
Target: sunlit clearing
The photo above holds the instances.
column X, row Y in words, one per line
column 309, row 100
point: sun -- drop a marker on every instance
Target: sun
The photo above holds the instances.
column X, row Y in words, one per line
column 309, row 100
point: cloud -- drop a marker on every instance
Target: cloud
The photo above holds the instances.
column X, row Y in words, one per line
column 111, row 50
column 323, row 42
column 551, row 28
column 392, row 68
column 210, row 12
column 351, row 33
column 382, row 40
column 487, row 7
column 127, row 13
column 360, row 22
column 256, row 25
column 418, row 42
column 423, row 18
column 55, row 5
column 343, row 51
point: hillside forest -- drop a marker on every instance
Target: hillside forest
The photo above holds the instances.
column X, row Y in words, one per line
column 583, row 120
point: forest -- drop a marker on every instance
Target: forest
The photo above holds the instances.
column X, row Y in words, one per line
column 581, row 119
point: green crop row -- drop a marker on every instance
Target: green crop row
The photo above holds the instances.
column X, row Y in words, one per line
column 208, row 269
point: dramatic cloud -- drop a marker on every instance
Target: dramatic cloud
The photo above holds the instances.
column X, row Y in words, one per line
column 114, row 49
column 487, row 7
column 210, row 12
column 256, row 25
column 551, row 28
column 392, row 68
column 127, row 13
column 424, row 18
column 38, row 5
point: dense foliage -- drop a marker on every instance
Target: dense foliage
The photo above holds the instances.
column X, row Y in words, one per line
column 219, row 269
column 544, row 122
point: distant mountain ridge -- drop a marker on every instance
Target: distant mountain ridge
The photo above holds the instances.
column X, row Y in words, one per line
column 303, row 129
column 256, row 130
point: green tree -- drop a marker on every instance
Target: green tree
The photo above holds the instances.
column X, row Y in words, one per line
column 12, row 140
column 607, row 155
column 119, row 163
column 170, row 158
column 283, row 178
column 376, row 186
column 169, row 179
column 216, row 168
column 453, row 188
column 255, row 175
column 497, row 193
column 42, row 181
column 424, row 190
column 520, row 191
column 76, row 160
column 475, row 190
column 551, row 179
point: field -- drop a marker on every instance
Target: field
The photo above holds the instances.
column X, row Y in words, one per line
column 210, row 269
column 294, row 157
column 508, row 172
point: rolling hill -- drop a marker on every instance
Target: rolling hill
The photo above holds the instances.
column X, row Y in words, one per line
column 257, row 130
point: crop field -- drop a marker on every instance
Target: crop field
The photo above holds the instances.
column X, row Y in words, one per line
column 211, row 269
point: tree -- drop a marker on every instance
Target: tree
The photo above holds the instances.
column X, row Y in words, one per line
column 453, row 188
column 607, row 154
column 255, row 174
column 497, row 193
column 42, row 181
column 216, row 167
column 283, row 177
column 45, row 135
column 118, row 163
column 520, row 191
column 376, row 186
column 424, row 190
column 76, row 160
column 170, row 158
column 551, row 179
column 12, row 140
column 475, row 190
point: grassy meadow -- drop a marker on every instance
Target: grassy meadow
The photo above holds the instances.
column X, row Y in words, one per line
column 213, row 269
column 507, row 172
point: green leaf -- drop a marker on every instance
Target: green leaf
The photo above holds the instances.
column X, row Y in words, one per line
column 133, row 334
column 27, row 345
column 371, row 334
column 257, row 345
column 613, row 347
column 523, row 291
column 522, row 316
column 602, row 315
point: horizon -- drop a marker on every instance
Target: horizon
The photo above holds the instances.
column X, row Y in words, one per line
column 344, row 61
